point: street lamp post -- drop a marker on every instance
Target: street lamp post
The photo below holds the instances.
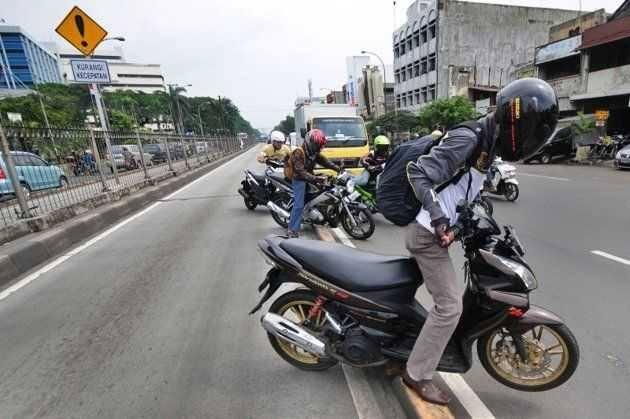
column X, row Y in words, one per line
column 384, row 78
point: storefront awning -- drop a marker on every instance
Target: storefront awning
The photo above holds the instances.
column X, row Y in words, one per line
column 612, row 31
column 557, row 50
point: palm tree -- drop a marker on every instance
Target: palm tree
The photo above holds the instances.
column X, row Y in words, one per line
column 177, row 102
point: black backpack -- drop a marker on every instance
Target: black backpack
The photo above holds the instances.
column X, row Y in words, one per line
column 395, row 198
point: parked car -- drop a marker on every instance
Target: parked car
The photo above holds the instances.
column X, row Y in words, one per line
column 34, row 174
column 622, row 158
column 157, row 152
column 560, row 144
column 135, row 150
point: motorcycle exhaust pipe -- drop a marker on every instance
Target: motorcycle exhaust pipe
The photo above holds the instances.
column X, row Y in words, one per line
column 292, row 333
column 275, row 208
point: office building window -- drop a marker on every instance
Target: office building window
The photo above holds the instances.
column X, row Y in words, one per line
column 432, row 31
column 404, row 99
column 398, row 101
column 416, row 39
column 402, row 48
column 432, row 62
column 396, row 51
column 416, row 95
column 410, row 71
column 397, row 76
column 403, row 74
column 423, row 35
column 416, row 68
column 423, row 66
column 432, row 92
column 409, row 43
column 423, row 94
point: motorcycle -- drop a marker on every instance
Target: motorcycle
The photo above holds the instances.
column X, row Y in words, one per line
column 365, row 193
column 503, row 180
column 258, row 189
column 330, row 203
column 360, row 309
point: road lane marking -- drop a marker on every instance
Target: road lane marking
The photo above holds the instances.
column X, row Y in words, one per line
column 61, row 259
column 466, row 396
column 563, row 179
column 611, row 257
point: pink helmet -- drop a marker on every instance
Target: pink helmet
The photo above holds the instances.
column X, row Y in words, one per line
column 315, row 141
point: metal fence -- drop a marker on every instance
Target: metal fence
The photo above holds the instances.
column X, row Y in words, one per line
column 58, row 168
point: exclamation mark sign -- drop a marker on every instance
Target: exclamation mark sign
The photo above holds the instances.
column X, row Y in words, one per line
column 78, row 20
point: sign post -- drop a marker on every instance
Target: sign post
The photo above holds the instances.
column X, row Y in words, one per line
column 83, row 33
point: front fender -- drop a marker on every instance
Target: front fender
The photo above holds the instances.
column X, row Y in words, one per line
column 512, row 181
column 535, row 316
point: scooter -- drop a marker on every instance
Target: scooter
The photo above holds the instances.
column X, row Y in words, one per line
column 258, row 189
column 330, row 203
column 503, row 180
column 359, row 308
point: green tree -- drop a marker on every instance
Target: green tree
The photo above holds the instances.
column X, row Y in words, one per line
column 447, row 112
column 391, row 122
column 287, row 125
column 119, row 120
column 584, row 124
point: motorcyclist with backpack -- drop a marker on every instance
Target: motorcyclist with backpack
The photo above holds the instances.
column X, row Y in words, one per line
column 452, row 170
column 299, row 169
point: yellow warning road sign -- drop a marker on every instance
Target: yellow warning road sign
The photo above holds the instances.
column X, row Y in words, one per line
column 81, row 31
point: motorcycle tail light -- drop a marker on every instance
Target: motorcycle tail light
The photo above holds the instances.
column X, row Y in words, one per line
column 515, row 312
column 2, row 175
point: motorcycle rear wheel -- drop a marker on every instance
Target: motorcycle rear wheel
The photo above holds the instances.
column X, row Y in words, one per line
column 365, row 223
column 550, row 362
column 294, row 306
column 284, row 202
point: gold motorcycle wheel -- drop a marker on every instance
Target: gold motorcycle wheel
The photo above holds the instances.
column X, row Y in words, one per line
column 552, row 356
column 294, row 306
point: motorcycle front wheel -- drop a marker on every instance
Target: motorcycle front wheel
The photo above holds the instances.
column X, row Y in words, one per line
column 250, row 203
column 363, row 226
column 552, row 356
column 511, row 192
column 295, row 306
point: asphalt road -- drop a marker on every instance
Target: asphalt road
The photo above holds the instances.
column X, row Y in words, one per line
column 151, row 321
column 562, row 215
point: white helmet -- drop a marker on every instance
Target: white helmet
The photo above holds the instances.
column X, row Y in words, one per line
column 277, row 137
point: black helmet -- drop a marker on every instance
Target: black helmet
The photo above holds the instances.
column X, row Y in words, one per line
column 527, row 114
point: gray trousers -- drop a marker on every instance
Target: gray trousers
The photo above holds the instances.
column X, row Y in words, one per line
column 441, row 282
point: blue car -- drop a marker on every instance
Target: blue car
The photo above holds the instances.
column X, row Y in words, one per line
column 34, row 174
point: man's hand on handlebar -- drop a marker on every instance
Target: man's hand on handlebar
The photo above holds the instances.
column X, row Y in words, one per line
column 443, row 233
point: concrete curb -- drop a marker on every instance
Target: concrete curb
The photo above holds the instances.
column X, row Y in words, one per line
column 20, row 256
column 412, row 405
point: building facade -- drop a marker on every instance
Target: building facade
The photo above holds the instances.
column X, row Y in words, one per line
column 454, row 48
column 24, row 63
column 124, row 75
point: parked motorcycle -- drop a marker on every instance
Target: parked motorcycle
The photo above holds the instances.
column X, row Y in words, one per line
column 258, row 189
column 360, row 308
column 503, row 180
column 324, row 204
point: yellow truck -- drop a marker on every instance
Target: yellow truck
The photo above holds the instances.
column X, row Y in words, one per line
column 344, row 129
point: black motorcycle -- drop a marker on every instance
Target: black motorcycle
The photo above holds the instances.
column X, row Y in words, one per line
column 258, row 189
column 331, row 203
column 359, row 308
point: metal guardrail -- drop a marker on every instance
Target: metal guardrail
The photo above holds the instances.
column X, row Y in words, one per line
column 58, row 168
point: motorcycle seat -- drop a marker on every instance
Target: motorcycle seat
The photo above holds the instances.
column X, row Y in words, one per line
column 280, row 178
column 352, row 269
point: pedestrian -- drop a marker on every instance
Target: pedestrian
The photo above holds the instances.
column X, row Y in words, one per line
column 525, row 117
column 299, row 169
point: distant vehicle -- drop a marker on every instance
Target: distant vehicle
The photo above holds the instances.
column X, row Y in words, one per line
column 157, row 152
column 135, row 150
column 345, row 131
column 34, row 174
column 560, row 144
column 622, row 158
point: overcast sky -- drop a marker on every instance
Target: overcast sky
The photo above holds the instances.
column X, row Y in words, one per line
column 260, row 53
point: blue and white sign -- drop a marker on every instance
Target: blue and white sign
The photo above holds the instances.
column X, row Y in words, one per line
column 90, row 71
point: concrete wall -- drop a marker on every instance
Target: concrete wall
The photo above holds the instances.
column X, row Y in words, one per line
column 490, row 37
column 610, row 80
column 581, row 22
column 566, row 87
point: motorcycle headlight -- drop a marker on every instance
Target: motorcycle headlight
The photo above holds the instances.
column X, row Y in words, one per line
column 509, row 267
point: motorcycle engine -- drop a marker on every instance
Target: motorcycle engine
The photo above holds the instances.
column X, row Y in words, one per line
column 358, row 348
column 316, row 216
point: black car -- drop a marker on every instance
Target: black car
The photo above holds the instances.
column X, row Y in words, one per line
column 622, row 159
column 560, row 144
column 157, row 152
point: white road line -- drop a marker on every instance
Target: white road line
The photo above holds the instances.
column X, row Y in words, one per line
column 61, row 259
column 611, row 257
column 467, row 397
column 563, row 179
